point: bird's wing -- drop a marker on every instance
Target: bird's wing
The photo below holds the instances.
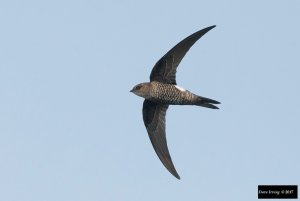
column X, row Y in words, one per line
column 165, row 69
column 154, row 116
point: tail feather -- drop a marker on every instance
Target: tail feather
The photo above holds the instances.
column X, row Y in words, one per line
column 207, row 102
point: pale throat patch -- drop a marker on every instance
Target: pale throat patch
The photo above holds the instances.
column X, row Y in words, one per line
column 180, row 88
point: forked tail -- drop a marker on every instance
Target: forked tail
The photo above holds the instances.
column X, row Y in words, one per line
column 206, row 102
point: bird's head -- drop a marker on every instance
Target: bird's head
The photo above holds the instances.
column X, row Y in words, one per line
column 142, row 90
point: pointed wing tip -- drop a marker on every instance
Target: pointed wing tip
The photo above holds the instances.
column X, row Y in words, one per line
column 172, row 170
column 177, row 176
column 167, row 162
column 210, row 27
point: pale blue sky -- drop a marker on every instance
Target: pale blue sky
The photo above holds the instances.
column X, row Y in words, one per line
column 71, row 131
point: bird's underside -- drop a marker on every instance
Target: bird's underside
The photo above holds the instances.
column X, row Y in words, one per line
column 162, row 91
column 170, row 94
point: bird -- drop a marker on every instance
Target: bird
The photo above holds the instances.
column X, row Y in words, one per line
column 162, row 91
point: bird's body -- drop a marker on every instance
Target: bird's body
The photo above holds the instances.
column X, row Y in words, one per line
column 163, row 91
column 171, row 94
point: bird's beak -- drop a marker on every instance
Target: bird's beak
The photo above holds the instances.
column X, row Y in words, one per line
column 131, row 90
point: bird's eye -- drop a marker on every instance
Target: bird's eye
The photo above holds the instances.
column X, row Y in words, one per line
column 138, row 87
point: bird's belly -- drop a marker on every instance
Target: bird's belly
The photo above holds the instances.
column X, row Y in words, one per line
column 166, row 100
column 171, row 97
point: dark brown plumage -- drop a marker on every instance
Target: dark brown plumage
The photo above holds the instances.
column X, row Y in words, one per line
column 162, row 91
